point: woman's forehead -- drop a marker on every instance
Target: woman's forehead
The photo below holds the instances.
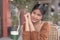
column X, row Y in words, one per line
column 37, row 11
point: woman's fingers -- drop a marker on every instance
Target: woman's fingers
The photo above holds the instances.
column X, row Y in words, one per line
column 26, row 17
column 29, row 17
column 28, row 14
column 29, row 24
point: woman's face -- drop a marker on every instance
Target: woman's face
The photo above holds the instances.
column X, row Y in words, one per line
column 36, row 16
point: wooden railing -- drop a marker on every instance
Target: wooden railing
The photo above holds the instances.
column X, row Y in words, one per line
column 53, row 35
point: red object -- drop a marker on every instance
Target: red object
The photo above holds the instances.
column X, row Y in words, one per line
column 5, row 12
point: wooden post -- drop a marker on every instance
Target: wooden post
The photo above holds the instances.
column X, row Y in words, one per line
column 4, row 17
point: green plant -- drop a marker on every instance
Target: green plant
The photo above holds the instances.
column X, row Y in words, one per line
column 15, row 20
column 22, row 4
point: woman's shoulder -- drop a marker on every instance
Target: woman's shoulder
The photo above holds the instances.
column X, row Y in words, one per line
column 46, row 22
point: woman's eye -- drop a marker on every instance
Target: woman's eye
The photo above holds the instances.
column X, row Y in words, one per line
column 34, row 12
column 39, row 14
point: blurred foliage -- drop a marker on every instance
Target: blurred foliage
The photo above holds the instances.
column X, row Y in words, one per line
column 15, row 20
column 55, row 18
column 30, row 3
column 14, row 11
column 23, row 3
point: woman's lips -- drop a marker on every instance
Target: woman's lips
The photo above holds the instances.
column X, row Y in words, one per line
column 33, row 19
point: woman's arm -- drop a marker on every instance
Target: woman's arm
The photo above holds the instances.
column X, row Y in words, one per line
column 33, row 33
column 26, row 30
column 25, row 34
column 26, row 22
column 30, row 23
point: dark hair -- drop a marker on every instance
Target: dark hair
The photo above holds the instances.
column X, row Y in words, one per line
column 42, row 7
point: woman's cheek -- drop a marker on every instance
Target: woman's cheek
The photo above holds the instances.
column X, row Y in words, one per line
column 39, row 18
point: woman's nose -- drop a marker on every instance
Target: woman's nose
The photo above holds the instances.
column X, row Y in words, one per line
column 35, row 16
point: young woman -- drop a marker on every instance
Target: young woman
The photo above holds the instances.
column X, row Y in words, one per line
column 34, row 28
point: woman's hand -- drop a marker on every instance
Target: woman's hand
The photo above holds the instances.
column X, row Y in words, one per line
column 26, row 23
column 28, row 18
column 30, row 23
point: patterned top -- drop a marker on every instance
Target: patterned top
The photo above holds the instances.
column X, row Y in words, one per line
column 34, row 35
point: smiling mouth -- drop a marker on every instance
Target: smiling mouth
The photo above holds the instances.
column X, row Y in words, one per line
column 34, row 20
